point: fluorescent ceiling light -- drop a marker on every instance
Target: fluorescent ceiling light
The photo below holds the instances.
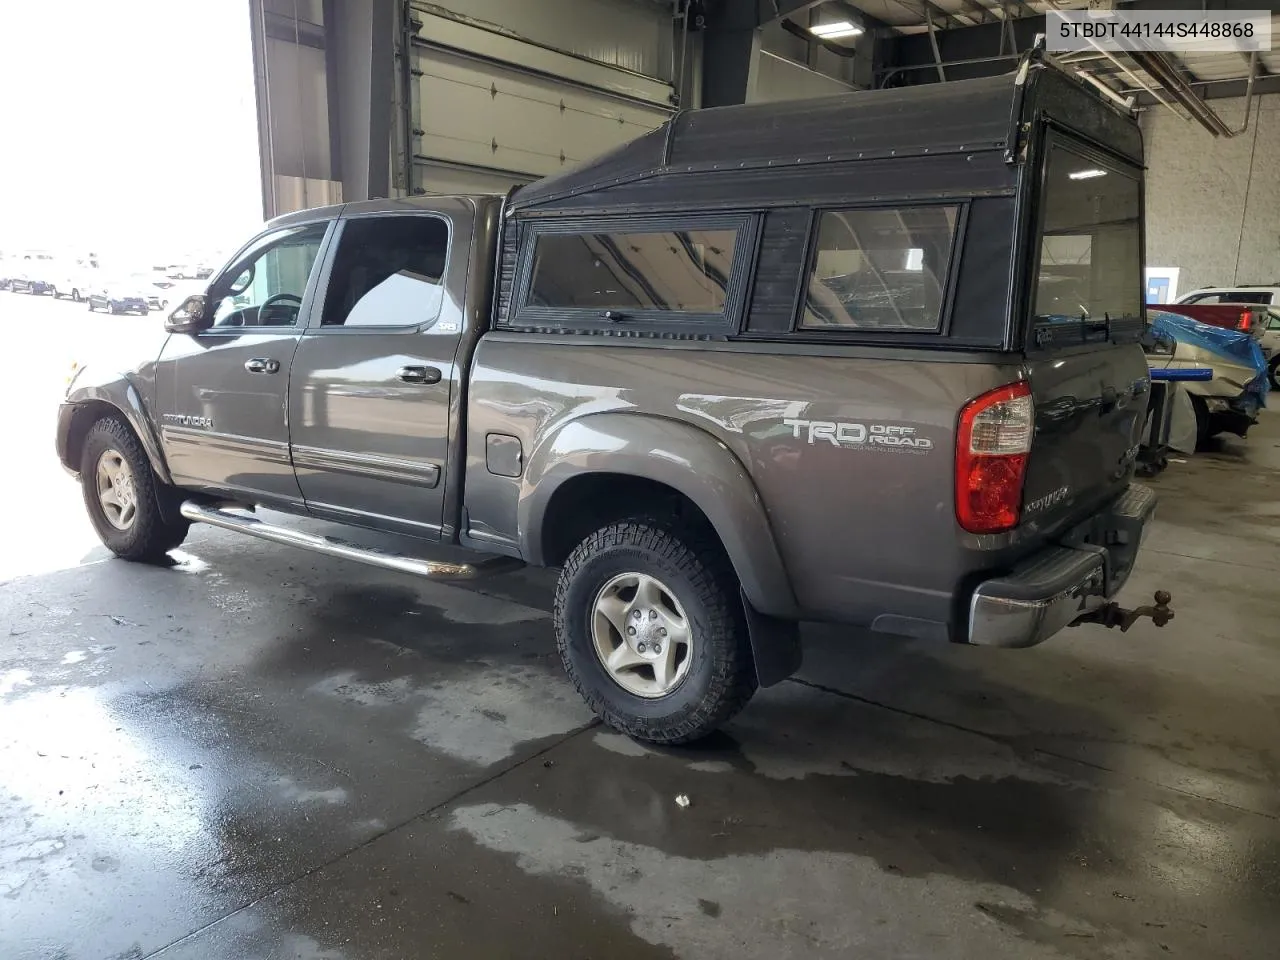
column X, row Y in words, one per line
column 834, row 31
column 1087, row 174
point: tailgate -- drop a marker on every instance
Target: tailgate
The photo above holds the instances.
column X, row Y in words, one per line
column 1090, row 407
column 1086, row 370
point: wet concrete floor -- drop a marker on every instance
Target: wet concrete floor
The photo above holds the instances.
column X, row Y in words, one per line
column 258, row 753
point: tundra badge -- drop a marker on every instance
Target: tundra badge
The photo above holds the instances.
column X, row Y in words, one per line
column 186, row 420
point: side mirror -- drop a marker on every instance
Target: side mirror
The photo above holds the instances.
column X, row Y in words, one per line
column 191, row 316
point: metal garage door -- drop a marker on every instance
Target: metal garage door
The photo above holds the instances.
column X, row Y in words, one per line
column 490, row 110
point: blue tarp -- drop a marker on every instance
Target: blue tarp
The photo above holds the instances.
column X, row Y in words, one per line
column 1232, row 345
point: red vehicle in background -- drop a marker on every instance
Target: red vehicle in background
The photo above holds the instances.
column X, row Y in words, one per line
column 1246, row 317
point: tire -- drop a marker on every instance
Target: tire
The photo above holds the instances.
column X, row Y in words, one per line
column 147, row 536
column 89, row 301
column 75, row 295
column 1203, row 420
column 111, row 308
column 692, row 570
column 54, row 292
column 1274, row 373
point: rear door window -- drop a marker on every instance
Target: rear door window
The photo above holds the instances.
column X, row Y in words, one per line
column 388, row 272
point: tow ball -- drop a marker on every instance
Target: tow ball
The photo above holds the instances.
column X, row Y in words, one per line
column 1114, row 615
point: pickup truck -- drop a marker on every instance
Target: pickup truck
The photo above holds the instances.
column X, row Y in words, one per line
column 767, row 363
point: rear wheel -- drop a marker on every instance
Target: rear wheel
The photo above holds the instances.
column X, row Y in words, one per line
column 651, row 630
column 121, row 494
column 1274, row 373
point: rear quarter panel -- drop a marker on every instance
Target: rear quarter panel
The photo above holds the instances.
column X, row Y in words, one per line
column 866, row 529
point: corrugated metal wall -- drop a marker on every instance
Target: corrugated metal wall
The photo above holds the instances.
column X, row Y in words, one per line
column 556, row 83
column 632, row 34
column 500, row 91
column 1213, row 205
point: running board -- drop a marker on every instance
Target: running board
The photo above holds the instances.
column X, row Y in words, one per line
column 333, row 547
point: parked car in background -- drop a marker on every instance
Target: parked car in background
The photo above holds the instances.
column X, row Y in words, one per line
column 1261, row 294
column 1231, row 400
column 27, row 283
column 70, row 281
column 161, row 293
column 128, row 294
column 1271, row 347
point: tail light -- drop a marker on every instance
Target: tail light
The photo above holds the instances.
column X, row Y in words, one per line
column 992, row 445
column 1245, row 317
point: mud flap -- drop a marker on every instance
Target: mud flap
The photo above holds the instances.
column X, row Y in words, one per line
column 775, row 645
column 1182, row 423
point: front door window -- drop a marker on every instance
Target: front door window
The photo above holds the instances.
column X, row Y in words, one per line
column 264, row 288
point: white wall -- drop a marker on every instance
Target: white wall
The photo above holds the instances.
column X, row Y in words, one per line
column 1213, row 205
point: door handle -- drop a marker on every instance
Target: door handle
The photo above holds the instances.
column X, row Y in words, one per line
column 418, row 375
column 262, row 365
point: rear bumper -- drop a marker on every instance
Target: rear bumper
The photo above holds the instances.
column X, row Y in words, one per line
column 1060, row 583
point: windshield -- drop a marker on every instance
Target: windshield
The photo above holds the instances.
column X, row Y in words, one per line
column 1090, row 249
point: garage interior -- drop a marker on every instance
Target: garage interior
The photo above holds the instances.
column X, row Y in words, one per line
column 261, row 753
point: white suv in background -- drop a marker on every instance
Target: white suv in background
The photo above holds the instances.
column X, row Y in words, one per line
column 1266, row 296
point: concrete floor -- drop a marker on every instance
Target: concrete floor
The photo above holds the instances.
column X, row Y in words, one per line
column 257, row 753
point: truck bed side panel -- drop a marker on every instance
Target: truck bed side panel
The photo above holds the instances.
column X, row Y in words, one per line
column 852, row 451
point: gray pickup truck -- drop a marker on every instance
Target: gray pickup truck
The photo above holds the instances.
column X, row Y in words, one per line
column 870, row 359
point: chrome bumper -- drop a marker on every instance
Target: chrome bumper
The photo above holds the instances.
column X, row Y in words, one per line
column 1061, row 583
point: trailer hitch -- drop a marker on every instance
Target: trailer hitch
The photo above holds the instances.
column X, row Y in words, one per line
column 1113, row 615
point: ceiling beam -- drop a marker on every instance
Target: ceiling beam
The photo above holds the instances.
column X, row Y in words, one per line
column 927, row 10
column 1216, row 89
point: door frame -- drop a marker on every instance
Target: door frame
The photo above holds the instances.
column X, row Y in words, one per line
column 460, row 217
column 214, row 337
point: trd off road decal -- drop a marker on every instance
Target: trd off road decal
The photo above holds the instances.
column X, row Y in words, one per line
column 860, row 436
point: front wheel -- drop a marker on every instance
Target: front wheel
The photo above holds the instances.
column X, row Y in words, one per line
column 651, row 630
column 121, row 495
column 1274, row 374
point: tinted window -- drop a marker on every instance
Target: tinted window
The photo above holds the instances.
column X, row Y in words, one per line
column 387, row 272
column 685, row 271
column 265, row 287
column 880, row 269
column 1090, row 249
